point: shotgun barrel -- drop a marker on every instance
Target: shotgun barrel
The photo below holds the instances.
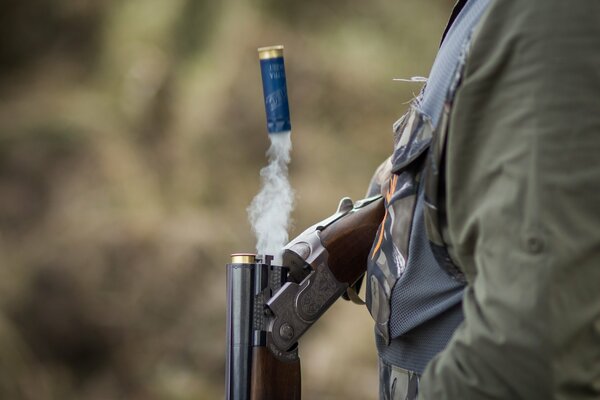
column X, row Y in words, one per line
column 240, row 293
column 255, row 370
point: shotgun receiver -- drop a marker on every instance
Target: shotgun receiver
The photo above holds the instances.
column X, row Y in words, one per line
column 270, row 307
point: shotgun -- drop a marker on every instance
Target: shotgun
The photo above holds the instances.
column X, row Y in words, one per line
column 269, row 307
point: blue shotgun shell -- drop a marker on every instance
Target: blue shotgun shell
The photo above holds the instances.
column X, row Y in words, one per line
column 272, row 70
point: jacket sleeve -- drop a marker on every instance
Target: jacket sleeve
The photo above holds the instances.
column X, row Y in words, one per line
column 523, row 207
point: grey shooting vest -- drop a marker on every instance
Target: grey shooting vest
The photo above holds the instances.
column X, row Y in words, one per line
column 413, row 296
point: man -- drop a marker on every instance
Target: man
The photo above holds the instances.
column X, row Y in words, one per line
column 415, row 303
column 519, row 206
column 511, row 204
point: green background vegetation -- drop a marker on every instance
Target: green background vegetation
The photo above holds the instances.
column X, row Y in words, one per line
column 131, row 136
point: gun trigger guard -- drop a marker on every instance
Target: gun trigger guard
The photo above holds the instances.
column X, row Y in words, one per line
column 352, row 295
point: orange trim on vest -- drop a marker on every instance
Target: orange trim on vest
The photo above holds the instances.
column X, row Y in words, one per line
column 388, row 197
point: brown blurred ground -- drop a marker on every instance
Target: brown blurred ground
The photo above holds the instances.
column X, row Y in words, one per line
column 131, row 136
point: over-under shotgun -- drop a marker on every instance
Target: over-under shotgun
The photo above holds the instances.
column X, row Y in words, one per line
column 270, row 307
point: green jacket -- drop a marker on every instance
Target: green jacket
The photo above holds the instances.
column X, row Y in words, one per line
column 522, row 180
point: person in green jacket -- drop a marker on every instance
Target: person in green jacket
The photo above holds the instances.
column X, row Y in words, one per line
column 514, row 201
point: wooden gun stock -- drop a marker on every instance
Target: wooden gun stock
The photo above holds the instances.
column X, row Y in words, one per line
column 273, row 379
column 349, row 240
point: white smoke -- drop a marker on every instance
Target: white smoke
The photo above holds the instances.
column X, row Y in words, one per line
column 269, row 212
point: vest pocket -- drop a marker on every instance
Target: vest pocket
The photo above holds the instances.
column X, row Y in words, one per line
column 389, row 254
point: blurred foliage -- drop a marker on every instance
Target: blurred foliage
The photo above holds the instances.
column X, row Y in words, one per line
column 131, row 136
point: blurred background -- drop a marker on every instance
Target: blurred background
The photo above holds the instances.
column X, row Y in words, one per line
column 131, row 137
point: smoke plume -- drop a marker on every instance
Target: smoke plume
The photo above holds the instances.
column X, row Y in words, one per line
column 269, row 212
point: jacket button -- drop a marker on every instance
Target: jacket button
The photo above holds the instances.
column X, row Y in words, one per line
column 534, row 244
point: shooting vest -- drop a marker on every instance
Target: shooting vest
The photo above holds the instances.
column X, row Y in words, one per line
column 414, row 291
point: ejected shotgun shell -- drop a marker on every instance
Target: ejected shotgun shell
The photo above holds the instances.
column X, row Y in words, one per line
column 274, row 89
